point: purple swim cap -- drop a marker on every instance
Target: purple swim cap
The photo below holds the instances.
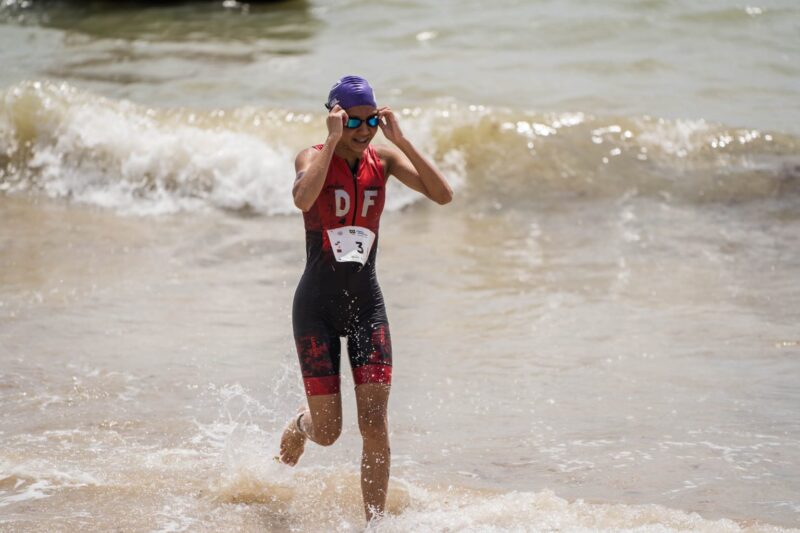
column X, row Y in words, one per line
column 351, row 91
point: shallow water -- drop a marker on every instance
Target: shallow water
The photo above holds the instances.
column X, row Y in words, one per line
column 599, row 333
column 166, row 376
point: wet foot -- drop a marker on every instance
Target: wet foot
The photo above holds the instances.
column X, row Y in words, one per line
column 293, row 442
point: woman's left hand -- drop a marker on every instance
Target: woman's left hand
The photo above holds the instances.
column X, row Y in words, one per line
column 389, row 126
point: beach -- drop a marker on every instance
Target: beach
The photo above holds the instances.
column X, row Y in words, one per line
column 600, row 332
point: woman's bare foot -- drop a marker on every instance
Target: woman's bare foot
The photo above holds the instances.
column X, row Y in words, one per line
column 293, row 442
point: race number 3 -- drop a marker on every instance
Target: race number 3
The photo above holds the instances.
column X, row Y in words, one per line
column 351, row 243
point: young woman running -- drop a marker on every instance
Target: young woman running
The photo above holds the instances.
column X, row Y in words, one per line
column 340, row 186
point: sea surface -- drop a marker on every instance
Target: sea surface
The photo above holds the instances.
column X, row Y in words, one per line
column 600, row 333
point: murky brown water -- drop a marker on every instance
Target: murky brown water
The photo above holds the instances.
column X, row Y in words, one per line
column 149, row 361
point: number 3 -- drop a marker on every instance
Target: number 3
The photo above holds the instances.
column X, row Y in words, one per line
column 360, row 248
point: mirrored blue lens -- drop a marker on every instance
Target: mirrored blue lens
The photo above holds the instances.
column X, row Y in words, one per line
column 353, row 123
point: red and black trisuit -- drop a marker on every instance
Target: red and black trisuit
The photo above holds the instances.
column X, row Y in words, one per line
column 342, row 299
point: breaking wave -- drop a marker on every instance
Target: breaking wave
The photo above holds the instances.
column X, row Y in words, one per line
column 58, row 141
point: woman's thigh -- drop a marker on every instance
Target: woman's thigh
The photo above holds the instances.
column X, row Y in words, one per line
column 372, row 401
column 326, row 417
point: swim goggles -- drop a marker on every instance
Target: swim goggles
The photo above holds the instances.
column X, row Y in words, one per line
column 372, row 121
column 352, row 123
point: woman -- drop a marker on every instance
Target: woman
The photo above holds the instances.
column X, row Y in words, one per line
column 340, row 187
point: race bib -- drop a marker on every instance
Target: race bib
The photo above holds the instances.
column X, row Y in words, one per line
column 351, row 243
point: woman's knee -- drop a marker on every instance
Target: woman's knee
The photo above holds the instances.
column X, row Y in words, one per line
column 325, row 417
column 326, row 430
column 374, row 426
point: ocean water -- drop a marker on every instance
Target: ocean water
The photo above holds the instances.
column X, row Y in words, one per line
column 600, row 333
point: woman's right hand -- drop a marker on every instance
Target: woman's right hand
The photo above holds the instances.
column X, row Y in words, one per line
column 336, row 119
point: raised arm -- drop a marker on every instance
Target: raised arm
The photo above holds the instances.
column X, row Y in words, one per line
column 408, row 165
column 311, row 165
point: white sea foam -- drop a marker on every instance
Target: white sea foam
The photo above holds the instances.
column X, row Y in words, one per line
column 175, row 516
column 122, row 156
column 64, row 143
column 542, row 511
column 39, row 478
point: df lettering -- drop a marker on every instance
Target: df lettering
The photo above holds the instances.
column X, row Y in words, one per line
column 342, row 200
